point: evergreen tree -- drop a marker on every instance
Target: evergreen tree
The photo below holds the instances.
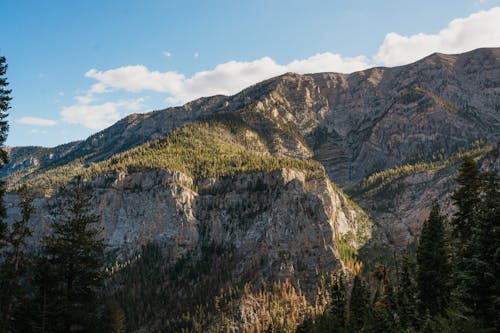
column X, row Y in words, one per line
column 479, row 275
column 433, row 266
column 407, row 294
column 4, row 129
column 384, row 303
column 71, row 263
column 359, row 306
column 15, row 264
column 466, row 199
column 338, row 304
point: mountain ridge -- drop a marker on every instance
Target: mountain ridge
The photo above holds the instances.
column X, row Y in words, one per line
column 356, row 125
column 138, row 128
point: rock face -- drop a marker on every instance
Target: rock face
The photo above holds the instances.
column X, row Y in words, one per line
column 279, row 225
column 354, row 124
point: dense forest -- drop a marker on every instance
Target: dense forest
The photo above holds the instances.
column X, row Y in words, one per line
column 446, row 281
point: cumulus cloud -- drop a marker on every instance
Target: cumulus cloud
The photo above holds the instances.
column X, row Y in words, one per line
column 99, row 116
column 227, row 78
column 134, row 79
column 35, row 121
column 481, row 29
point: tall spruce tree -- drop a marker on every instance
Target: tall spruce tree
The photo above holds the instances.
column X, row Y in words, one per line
column 73, row 260
column 360, row 310
column 407, row 294
column 4, row 130
column 466, row 199
column 384, row 303
column 338, row 304
column 486, row 254
column 15, row 264
column 433, row 265
column 478, row 272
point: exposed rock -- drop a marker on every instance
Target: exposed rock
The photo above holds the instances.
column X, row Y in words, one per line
column 354, row 124
column 280, row 225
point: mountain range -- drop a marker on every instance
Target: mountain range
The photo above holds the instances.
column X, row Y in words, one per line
column 291, row 178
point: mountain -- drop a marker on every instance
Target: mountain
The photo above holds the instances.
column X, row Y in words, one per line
column 354, row 124
column 259, row 178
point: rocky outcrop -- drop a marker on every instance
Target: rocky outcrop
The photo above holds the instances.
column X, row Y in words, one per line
column 354, row 124
column 279, row 225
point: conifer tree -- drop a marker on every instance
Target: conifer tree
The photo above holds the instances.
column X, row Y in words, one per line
column 407, row 294
column 4, row 129
column 479, row 274
column 73, row 260
column 384, row 304
column 338, row 304
column 15, row 264
column 359, row 306
column 466, row 199
column 433, row 266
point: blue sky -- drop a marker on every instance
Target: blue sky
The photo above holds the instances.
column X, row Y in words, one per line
column 76, row 67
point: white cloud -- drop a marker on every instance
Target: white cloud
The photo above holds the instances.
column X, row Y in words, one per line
column 481, row 29
column 227, row 78
column 167, row 54
column 134, row 78
column 328, row 62
column 37, row 131
column 99, row 116
column 37, row 121
column 196, row 55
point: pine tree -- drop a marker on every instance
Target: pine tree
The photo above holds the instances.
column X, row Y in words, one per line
column 466, row 199
column 407, row 294
column 433, row 266
column 338, row 304
column 4, row 129
column 15, row 264
column 359, row 306
column 384, row 304
column 480, row 270
column 72, row 261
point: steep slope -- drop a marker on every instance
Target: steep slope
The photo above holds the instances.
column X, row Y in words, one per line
column 383, row 116
column 356, row 125
column 222, row 210
column 235, row 190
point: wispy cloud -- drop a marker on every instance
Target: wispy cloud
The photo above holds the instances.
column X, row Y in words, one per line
column 35, row 121
column 167, row 54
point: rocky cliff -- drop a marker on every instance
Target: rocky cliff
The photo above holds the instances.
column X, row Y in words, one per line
column 356, row 125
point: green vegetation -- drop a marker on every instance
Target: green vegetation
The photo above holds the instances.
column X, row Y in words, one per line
column 433, row 262
column 69, row 270
column 4, row 129
column 210, row 148
column 438, row 100
column 451, row 284
column 380, row 180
